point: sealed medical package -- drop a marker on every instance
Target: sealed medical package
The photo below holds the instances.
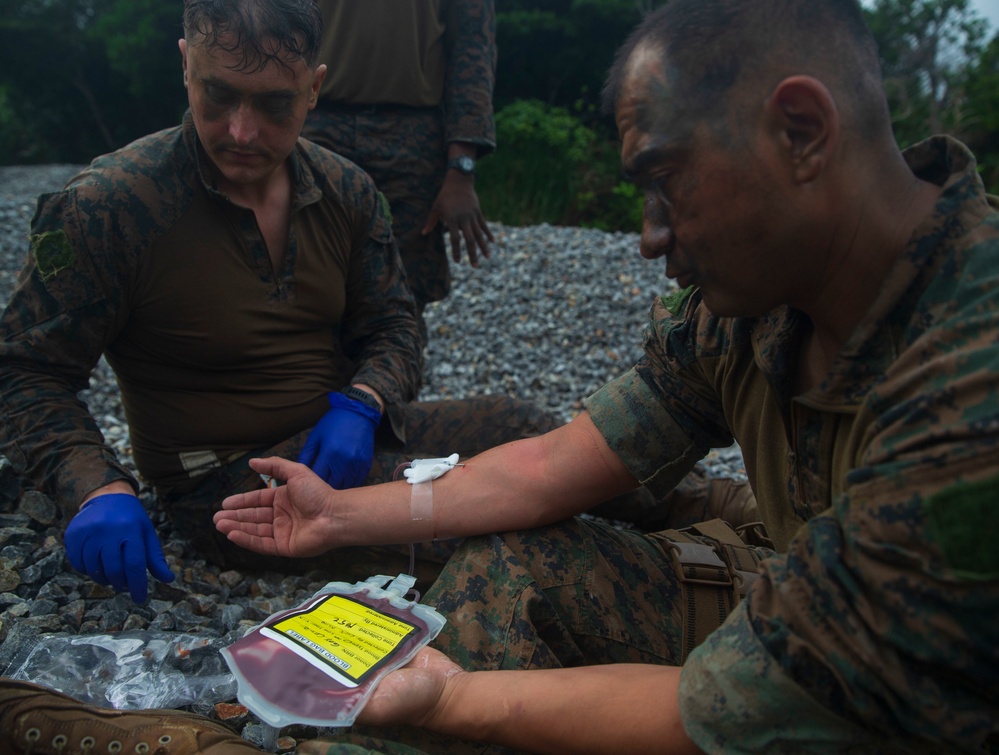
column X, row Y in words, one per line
column 319, row 663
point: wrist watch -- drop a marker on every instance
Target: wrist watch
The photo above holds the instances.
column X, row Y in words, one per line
column 364, row 397
column 463, row 164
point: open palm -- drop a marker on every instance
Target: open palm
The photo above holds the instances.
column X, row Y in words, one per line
column 289, row 520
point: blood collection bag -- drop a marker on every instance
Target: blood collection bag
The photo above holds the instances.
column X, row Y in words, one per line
column 319, row 663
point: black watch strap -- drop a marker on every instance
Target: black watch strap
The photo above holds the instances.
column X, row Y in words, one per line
column 463, row 164
column 364, row 397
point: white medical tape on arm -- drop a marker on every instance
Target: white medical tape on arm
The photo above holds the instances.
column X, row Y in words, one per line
column 421, row 501
column 420, row 475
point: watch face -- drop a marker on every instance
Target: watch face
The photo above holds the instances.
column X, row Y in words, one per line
column 464, row 163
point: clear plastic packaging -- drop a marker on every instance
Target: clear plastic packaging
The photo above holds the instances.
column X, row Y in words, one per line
column 319, row 663
column 130, row 670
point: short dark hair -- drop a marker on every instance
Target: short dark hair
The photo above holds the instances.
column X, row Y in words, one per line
column 709, row 46
column 259, row 31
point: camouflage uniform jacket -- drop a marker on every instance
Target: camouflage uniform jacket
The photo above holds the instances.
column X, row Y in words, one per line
column 216, row 352
column 880, row 620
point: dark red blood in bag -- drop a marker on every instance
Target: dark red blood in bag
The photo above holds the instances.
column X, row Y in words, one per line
column 284, row 679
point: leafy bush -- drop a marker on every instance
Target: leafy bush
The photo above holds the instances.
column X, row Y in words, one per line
column 551, row 168
column 535, row 173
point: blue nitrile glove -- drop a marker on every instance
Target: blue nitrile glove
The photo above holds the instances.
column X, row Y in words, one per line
column 342, row 444
column 113, row 542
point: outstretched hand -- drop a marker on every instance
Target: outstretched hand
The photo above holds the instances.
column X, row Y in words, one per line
column 290, row 520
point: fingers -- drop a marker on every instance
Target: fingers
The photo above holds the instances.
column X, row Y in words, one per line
column 309, row 451
column 133, row 575
column 432, row 220
column 155, row 559
column 252, row 529
column 93, row 565
column 275, row 466
column 485, row 229
column 476, row 234
column 481, row 235
column 280, row 469
column 248, row 518
column 74, row 551
column 453, row 234
column 263, row 544
column 250, row 499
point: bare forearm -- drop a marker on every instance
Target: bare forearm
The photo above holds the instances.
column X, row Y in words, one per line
column 594, row 709
column 515, row 486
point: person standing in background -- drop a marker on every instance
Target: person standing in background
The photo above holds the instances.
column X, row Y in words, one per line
column 408, row 97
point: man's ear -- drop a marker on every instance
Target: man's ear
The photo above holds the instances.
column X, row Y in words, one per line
column 182, row 44
column 803, row 116
column 317, row 82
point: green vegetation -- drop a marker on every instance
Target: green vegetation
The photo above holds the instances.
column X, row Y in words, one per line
column 941, row 75
column 82, row 77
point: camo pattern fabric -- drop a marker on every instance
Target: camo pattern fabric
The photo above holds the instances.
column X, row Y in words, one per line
column 876, row 630
column 576, row 593
column 404, row 149
column 77, row 298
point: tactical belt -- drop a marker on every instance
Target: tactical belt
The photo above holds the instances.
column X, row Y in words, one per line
column 716, row 569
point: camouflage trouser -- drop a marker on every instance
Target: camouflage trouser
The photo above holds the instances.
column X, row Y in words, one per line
column 575, row 593
column 418, row 430
column 402, row 149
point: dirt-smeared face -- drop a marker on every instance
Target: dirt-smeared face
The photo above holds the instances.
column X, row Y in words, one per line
column 247, row 120
column 712, row 194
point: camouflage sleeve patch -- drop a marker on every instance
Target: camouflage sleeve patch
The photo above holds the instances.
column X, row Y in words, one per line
column 956, row 518
column 386, row 207
column 52, row 252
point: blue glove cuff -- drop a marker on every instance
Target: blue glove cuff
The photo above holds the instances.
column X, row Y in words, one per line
column 117, row 499
column 340, row 401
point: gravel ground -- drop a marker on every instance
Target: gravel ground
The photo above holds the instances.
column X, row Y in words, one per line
column 553, row 315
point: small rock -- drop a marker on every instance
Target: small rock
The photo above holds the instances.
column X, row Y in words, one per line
column 39, row 507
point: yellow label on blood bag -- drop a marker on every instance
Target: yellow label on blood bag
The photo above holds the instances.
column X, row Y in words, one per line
column 343, row 637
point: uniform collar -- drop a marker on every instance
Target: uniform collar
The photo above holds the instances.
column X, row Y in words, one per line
column 873, row 347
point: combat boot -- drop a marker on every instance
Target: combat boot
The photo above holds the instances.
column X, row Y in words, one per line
column 41, row 721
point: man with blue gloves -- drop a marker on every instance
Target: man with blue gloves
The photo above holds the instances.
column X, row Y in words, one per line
column 245, row 286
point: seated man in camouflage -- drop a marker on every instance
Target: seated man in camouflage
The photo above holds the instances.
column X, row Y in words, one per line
column 839, row 319
column 245, row 286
